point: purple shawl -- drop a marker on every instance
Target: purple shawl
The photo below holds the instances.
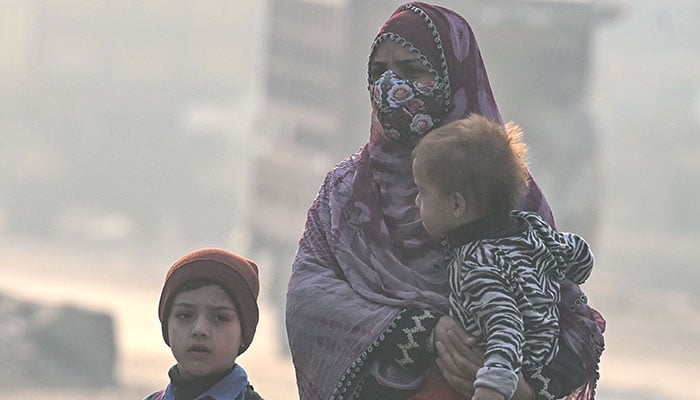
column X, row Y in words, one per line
column 364, row 255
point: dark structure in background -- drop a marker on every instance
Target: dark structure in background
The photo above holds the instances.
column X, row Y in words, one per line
column 538, row 57
column 55, row 346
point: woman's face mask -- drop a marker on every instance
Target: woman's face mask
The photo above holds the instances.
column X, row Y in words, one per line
column 407, row 109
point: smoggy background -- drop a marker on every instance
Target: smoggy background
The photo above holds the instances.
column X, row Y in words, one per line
column 132, row 132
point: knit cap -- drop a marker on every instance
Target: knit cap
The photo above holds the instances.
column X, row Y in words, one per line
column 236, row 274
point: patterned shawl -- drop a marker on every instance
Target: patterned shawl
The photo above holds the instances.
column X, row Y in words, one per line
column 364, row 255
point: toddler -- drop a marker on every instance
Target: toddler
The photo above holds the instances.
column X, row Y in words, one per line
column 507, row 266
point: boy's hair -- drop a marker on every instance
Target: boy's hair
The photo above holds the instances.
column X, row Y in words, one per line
column 481, row 159
column 237, row 275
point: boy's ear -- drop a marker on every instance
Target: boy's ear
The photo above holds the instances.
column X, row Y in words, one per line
column 458, row 204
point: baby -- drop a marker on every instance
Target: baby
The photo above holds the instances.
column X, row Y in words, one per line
column 507, row 266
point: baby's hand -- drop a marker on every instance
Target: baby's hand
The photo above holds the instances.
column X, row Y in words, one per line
column 484, row 393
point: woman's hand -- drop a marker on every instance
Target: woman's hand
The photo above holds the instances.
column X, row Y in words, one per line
column 484, row 393
column 459, row 359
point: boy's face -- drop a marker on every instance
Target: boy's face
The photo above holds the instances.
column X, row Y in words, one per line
column 204, row 331
column 436, row 211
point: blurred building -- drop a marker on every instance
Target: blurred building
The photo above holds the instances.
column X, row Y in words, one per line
column 539, row 55
column 125, row 108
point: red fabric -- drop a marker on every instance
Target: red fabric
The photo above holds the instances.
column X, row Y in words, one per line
column 435, row 387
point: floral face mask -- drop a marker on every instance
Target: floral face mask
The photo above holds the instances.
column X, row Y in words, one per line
column 407, row 109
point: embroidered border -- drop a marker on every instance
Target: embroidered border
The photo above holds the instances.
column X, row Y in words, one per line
column 443, row 78
column 542, row 383
column 413, row 341
column 351, row 381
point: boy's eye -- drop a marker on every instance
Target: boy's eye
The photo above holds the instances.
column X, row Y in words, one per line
column 183, row 315
column 223, row 318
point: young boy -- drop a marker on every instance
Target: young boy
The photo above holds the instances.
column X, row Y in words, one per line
column 208, row 313
column 507, row 266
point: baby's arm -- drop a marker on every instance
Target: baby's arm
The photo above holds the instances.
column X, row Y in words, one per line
column 487, row 298
column 484, row 393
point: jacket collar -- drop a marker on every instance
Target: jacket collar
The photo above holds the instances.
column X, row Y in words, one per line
column 231, row 384
column 492, row 226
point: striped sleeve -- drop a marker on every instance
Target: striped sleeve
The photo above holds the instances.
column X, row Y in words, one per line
column 486, row 296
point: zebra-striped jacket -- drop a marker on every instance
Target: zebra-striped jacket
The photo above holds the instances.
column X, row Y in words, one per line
column 505, row 276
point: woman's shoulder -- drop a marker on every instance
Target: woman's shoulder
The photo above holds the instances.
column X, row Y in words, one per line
column 340, row 177
column 345, row 168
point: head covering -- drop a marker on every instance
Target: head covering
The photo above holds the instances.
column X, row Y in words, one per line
column 237, row 275
column 390, row 241
column 444, row 40
column 364, row 255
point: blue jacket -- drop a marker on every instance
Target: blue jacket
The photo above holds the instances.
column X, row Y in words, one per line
column 234, row 386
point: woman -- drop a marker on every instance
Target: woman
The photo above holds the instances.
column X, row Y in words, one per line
column 368, row 291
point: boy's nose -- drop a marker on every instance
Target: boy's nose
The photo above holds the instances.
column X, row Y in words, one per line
column 200, row 327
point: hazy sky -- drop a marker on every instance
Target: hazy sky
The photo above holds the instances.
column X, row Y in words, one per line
column 137, row 127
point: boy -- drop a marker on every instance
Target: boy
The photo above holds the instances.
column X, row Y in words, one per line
column 507, row 266
column 208, row 313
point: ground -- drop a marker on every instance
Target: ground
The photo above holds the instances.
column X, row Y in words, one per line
column 651, row 351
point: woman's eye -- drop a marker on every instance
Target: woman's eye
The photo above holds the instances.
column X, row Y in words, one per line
column 375, row 73
column 223, row 318
column 415, row 73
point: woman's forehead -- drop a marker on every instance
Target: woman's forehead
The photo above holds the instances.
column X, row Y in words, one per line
column 391, row 51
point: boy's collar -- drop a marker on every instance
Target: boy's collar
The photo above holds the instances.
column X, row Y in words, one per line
column 218, row 387
column 191, row 388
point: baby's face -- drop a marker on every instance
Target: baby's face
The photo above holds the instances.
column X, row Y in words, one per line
column 204, row 331
column 435, row 209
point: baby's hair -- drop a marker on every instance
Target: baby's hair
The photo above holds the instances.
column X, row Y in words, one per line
column 483, row 160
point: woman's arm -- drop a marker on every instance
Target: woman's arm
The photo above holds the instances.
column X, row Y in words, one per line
column 407, row 345
column 400, row 357
column 459, row 359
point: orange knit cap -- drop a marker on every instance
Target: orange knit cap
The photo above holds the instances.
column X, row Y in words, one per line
column 237, row 275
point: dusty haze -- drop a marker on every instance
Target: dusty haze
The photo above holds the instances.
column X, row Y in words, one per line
column 96, row 217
